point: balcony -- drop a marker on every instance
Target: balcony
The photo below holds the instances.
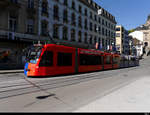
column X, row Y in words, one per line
column 5, row 35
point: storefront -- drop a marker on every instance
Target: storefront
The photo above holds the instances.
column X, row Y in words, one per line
column 12, row 55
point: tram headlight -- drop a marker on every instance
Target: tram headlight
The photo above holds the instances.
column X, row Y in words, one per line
column 37, row 60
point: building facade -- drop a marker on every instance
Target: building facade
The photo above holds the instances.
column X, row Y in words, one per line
column 146, row 37
column 18, row 28
column 138, row 41
column 122, row 40
column 146, row 32
column 145, row 28
column 77, row 22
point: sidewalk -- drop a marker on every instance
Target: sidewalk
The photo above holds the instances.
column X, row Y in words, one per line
column 132, row 98
column 11, row 71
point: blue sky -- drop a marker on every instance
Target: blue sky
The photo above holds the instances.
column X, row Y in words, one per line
column 129, row 13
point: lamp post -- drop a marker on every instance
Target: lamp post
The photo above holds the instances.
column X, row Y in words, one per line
column 112, row 46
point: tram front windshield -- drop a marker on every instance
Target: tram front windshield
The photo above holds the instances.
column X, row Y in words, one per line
column 34, row 54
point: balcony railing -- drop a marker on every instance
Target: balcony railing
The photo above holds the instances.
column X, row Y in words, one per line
column 5, row 35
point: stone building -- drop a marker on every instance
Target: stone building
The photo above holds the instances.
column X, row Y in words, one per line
column 145, row 28
column 18, row 29
column 79, row 23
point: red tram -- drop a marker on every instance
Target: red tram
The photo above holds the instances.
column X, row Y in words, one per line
column 52, row 60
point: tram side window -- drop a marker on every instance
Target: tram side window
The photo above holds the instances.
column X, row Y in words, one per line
column 64, row 59
column 108, row 59
column 116, row 60
column 90, row 59
column 47, row 59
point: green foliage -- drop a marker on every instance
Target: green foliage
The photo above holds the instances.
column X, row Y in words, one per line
column 130, row 31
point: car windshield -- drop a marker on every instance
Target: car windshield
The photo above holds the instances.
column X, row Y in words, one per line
column 34, row 54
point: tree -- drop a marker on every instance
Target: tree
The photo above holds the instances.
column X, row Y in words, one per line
column 130, row 31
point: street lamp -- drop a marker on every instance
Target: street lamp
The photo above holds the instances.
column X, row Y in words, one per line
column 112, row 46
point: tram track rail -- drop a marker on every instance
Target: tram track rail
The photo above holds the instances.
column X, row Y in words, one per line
column 27, row 88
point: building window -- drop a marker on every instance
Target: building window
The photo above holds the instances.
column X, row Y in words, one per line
column 85, row 24
column 55, row 31
column 91, row 15
column 44, row 7
column 106, row 23
column 65, row 33
column 106, row 32
column 109, row 25
column 106, row 43
column 85, row 12
column 73, row 5
column 109, row 33
column 66, row 2
column 80, row 36
column 30, row 3
column 117, row 29
column 102, row 21
column 95, row 18
column 95, row 28
column 80, row 9
column 99, row 41
column 99, row 20
column 85, row 37
column 13, row 23
column 80, row 21
column 103, row 31
column 56, row 12
column 117, row 34
column 114, row 35
column 103, row 43
column 44, row 28
column 91, row 26
column 95, row 40
column 30, row 26
column 90, row 39
column 99, row 30
column 73, row 19
column 73, row 35
column 65, row 16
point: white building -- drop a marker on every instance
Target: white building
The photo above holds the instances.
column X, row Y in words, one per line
column 139, row 36
column 77, row 22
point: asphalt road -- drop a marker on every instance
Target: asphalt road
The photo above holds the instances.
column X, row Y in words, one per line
column 71, row 93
